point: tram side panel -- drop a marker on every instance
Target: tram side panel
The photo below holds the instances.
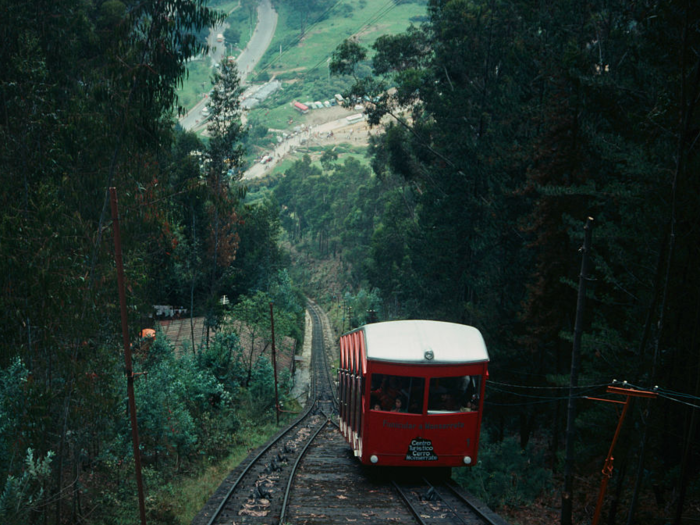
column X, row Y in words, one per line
column 341, row 388
column 351, row 391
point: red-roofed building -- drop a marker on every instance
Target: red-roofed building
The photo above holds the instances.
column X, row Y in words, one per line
column 301, row 108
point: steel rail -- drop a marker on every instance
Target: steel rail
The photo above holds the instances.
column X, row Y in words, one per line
column 292, row 425
column 488, row 516
column 454, row 511
column 245, row 471
column 408, row 502
column 318, row 331
column 294, row 470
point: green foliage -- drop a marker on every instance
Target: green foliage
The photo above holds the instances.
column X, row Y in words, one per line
column 23, row 495
column 346, row 58
column 261, row 391
column 186, row 405
column 13, row 384
column 232, row 35
column 505, row 474
column 358, row 307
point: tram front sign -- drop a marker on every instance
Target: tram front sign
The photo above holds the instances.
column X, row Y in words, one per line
column 421, row 450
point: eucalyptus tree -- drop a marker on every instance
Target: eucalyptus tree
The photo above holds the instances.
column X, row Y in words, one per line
column 448, row 124
column 87, row 95
column 519, row 121
column 222, row 172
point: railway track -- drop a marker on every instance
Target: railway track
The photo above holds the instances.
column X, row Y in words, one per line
column 257, row 491
column 307, row 475
column 444, row 502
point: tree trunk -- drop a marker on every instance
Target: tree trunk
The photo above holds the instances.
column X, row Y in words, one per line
column 690, row 438
column 193, row 266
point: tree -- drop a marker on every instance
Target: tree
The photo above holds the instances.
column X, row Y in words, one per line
column 87, row 94
column 252, row 317
column 223, row 169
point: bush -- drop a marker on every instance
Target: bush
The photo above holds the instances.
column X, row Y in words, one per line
column 506, row 474
column 261, row 391
column 21, row 495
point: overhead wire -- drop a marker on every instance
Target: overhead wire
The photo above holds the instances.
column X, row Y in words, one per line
column 388, row 7
column 491, row 382
column 298, row 39
column 581, row 392
column 537, row 400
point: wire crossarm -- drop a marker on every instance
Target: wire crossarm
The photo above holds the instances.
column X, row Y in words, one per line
column 608, row 467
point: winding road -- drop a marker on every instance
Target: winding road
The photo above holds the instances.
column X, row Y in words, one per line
column 246, row 61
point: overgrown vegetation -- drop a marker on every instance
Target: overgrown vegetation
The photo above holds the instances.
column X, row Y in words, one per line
column 87, row 97
column 506, row 473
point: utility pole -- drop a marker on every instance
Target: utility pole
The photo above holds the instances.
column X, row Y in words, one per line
column 127, row 352
column 567, row 495
column 608, row 468
column 274, row 363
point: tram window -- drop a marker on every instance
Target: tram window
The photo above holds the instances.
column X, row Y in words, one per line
column 397, row 393
column 453, row 394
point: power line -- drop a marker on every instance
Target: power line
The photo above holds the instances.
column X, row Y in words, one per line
column 679, row 401
column 491, row 382
column 373, row 19
column 530, row 396
column 298, row 39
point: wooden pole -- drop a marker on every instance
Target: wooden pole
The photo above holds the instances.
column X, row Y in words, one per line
column 274, row 364
column 127, row 352
column 566, row 497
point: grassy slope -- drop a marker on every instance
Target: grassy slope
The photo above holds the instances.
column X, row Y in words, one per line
column 187, row 496
column 367, row 21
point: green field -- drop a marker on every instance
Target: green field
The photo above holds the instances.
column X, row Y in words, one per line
column 363, row 20
column 302, row 65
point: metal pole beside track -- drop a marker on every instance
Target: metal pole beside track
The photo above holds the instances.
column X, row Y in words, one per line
column 608, row 468
column 567, row 494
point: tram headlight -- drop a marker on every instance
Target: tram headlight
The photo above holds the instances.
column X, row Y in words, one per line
column 467, row 460
column 374, row 459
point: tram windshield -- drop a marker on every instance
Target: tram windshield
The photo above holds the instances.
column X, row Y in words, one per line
column 397, row 393
column 453, row 394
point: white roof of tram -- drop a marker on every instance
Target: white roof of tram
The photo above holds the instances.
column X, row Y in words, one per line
column 424, row 342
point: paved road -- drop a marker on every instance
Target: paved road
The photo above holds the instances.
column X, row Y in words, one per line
column 260, row 41
column 246, row 61
column 329, row 133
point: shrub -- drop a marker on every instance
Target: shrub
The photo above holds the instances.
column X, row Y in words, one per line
column 23, row 494
column 506, row 474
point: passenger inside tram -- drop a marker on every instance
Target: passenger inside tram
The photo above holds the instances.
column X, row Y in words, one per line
column 446, row 395
column 453, row 394
column 397, row 393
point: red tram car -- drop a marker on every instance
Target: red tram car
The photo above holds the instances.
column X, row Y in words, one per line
column 411, row 393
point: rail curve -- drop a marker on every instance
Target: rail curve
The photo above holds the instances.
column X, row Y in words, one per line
column 308, row 474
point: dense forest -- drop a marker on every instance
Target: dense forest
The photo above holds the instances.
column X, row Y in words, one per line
column 88, row 102
column 502, row 126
